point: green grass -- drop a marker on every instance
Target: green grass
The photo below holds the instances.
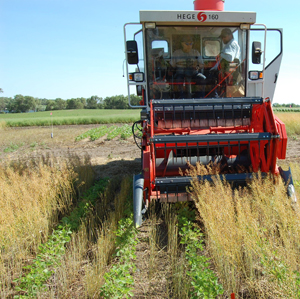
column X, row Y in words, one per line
column 95, row 133
column 124, row 132
column 70, row 117
column 12, row 147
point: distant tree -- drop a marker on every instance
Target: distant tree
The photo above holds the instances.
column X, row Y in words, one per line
column 83, row 101
column 50, row 105
column 121, row 102
column 37, row 101
column 135, row 100
column 1, row 90
column 19, row 103
column 101, row 103
column 116, row 102
column 94, row 102
column 11, row 105
column 44, row 101
column 29, row 103
column 4, row 102
column 77, row 103
column 289, row 105
column 38, row 105
column 71, row 104
column 22, row 103
column 60, row 104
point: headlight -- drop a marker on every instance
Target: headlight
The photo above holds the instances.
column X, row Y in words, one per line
column 255, row 75
column 136, row 77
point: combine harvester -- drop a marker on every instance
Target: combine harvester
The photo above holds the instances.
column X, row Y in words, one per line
column 207, row 79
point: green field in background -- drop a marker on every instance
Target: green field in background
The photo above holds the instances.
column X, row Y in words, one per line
column 70, row 117
column 107, row 116
column 286, row 109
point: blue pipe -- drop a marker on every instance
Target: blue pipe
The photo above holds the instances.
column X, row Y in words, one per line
column 138, row 187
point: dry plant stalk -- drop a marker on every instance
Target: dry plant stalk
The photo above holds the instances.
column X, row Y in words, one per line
column 90, row 251
column 153, row 241
column 291, row 121
column 88, row 256
column 102, row 255
column 81, row 272
column 252, row 235
column 2, row 124
column 33, row 195
column 30, row 202
column 180, row 284
column 105, row 246
column 31, row 199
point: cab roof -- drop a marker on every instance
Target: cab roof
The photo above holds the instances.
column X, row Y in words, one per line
column 199, row 18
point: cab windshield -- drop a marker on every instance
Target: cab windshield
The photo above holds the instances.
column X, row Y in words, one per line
column 195, row 62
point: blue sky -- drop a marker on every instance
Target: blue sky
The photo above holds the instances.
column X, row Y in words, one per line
column 75, row 48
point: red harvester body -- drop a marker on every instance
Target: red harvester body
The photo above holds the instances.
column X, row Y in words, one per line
column 207, row 90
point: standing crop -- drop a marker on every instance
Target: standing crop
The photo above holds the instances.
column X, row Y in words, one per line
column 252, row 236
column 204, row 282
column 43, row 266
column 119, row 279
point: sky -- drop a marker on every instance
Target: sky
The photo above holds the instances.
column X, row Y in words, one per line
column 75, row 48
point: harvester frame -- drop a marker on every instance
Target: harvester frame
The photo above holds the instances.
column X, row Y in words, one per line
column 222, row 117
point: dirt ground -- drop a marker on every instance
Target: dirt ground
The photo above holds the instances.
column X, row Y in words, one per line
column 293, row 150
column 108, row 157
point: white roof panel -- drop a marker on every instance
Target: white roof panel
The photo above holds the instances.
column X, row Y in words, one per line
column 199, row 17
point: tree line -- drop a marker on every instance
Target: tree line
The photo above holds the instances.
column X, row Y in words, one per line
column 20, row 103
column 291, row 105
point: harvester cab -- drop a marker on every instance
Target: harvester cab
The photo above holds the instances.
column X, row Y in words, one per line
column 207, row 79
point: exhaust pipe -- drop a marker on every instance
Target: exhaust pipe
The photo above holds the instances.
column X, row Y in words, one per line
column 138, row 187
column 213, row 5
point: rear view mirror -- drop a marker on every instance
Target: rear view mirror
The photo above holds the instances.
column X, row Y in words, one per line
column 132, row 52
column 256, row 52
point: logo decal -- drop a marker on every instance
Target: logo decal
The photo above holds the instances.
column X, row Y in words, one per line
column 201, row 16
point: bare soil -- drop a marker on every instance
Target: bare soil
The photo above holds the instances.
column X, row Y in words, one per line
column 153, row 272
column 293, row 150
column 108, row 157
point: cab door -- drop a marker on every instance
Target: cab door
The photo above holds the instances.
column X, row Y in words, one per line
column 134, row 62
column 270, row 60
